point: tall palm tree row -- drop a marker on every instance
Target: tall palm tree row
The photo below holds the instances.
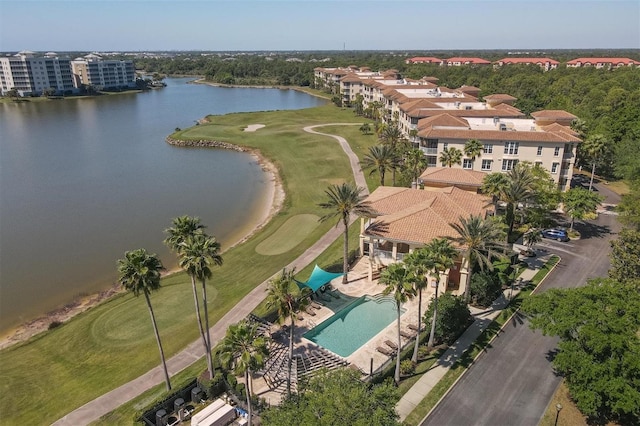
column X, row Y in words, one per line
column 283, row 295
column 343, row 201
column 397, row 280
column 380, row 159
column 244, row 349
column 481, row 239
column 442, row 255
column 139, row 272
column 196, row 252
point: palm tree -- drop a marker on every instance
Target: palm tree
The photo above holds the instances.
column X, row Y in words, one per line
column 197, row 254
column 365, row 129
column 419, row 264
column 139, row 272
column 380, row 159
column 344, row 200
column 183, row 227
column 519, row 190
column 473, row 148
column 392, row 136
column 415, row 163
column 531, row 237
column 284, row 296
column 494, row 184
column 397, row 282
column 442, row 256
column 595, row 147
column 244, row 348
column 478, row 236
column 451, row 156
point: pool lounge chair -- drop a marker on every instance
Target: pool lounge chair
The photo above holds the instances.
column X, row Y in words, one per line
column 407, row 334
column 316, row 305
column 385, row 351
column 392, row 345
column 414, row 327
column 310, row 312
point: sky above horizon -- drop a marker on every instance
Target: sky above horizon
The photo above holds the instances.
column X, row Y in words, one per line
column 139, row 25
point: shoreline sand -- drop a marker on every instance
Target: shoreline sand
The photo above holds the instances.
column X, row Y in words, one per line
column 274, row 201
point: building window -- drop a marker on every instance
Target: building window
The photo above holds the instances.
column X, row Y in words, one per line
column 539, row 151
column 554, row 167
column 486, row 164
column 488, row 148
column 467, row 163
column 556, row 151
column 445, row 146
column 511, row 148
column 508, row 165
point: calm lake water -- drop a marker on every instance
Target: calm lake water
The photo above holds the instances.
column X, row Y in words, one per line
column 82, row 181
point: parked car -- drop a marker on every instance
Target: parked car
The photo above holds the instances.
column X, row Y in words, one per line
column 556, row 234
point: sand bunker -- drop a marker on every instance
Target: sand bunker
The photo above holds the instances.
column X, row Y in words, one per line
column 253, row 127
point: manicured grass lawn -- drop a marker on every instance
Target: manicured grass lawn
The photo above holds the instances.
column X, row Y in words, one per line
column 113, row 343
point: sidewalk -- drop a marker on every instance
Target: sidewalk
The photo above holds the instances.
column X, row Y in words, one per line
column 102, row 405
column 483, row 318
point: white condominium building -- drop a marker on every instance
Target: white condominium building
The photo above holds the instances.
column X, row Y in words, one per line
column 103, row 74
column 31, row 75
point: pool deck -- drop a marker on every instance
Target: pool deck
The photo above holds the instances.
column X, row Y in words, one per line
column 366, row 357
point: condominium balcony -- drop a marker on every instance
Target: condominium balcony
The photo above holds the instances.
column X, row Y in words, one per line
column 429, row 151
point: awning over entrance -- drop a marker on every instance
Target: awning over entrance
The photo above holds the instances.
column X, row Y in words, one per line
column 318, row 278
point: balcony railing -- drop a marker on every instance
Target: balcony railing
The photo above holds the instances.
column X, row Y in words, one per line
column 429, row 151
column 387, row 255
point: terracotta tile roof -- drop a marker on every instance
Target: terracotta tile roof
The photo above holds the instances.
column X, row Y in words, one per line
column 423, row 59
column 499, row 97
column 453, row 176
column 444, row 120
column 430, row 79
column 555, row 127
column 595, row 61
column 506, row 107
column 528, row 61
column 418, row 216
column 465, row 88
column 351, row 78
column 553, row 114
column 470, row 60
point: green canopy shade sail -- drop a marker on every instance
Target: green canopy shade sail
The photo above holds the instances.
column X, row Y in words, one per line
column 318, row 278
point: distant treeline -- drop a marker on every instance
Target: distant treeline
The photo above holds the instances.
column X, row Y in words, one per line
column 607, row 102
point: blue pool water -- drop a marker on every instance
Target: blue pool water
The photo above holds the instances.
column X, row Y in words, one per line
column 354, row 325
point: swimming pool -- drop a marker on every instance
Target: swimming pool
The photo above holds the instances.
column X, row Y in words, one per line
column 353, row 326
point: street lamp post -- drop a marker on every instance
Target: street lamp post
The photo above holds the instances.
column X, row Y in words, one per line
column 558, row 408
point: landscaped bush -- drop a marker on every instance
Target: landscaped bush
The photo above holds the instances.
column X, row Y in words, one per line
column 423, row 352
column 407, row 367
column 485, row 288
column 213, row 388
column 453, row 318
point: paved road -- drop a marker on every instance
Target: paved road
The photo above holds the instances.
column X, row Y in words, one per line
column 513, row 381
